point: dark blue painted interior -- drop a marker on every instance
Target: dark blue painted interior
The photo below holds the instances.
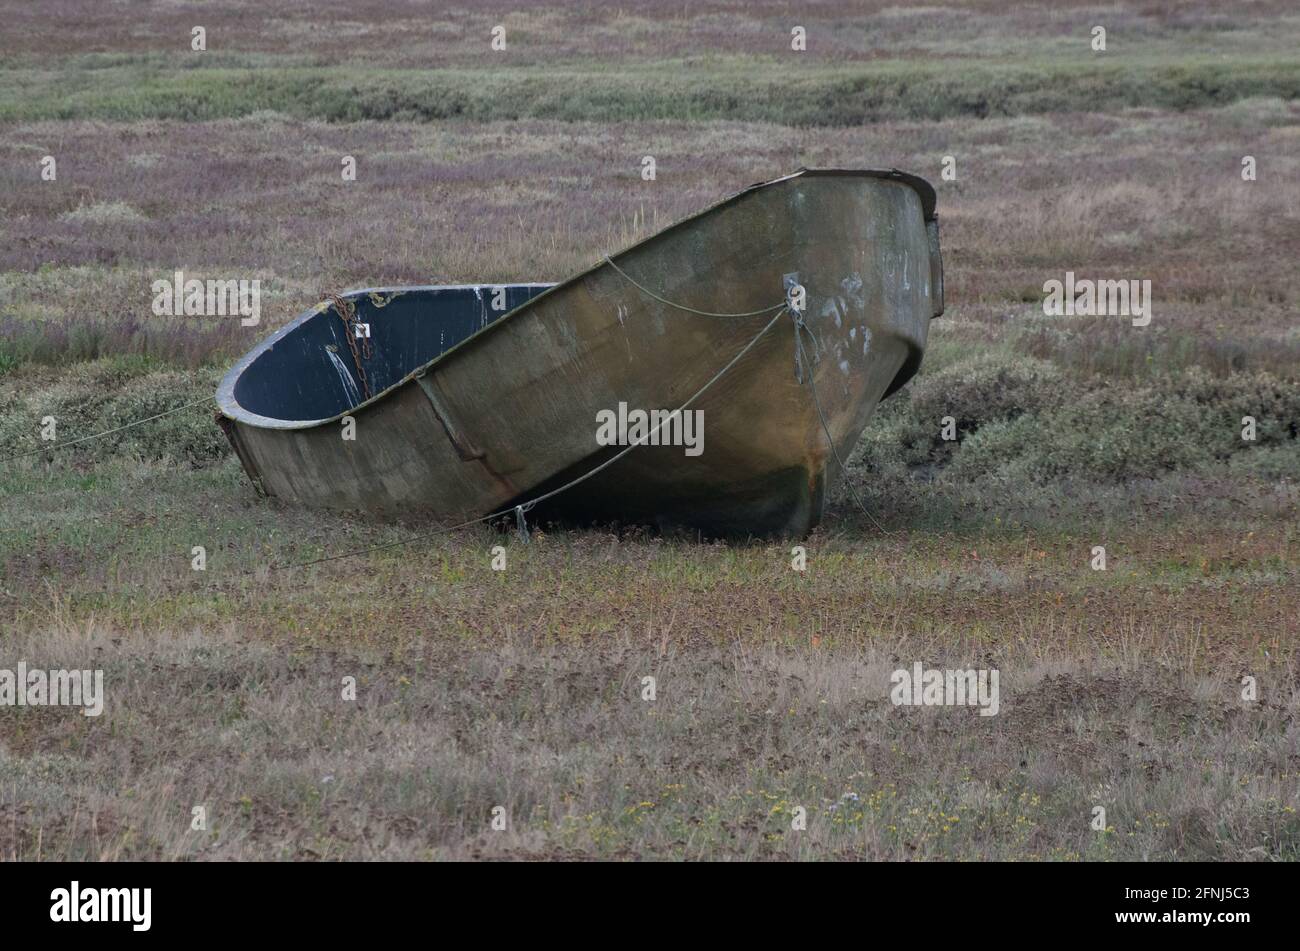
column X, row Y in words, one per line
column 310, row 372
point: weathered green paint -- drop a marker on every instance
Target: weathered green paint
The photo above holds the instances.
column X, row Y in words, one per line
column 512, row 410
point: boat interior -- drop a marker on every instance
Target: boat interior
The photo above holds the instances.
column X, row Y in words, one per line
column 311, row 369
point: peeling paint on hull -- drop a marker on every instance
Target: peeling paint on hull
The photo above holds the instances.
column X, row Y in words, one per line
column 475, row 411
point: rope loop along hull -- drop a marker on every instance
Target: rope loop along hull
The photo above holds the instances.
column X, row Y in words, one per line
column 486, row 397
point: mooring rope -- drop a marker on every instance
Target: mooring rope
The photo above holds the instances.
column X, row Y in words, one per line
column 107, row 432
column 800, row 328
column 519, row 511
column 690, row 310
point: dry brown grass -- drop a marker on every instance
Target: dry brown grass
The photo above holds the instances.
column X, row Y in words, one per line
column 737, row 738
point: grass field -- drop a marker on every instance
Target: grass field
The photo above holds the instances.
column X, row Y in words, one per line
column 523, row 689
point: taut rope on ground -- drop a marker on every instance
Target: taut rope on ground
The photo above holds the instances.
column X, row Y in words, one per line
column 107, row 432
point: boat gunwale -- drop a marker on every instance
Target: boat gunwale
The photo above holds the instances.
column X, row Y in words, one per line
column 232, row 409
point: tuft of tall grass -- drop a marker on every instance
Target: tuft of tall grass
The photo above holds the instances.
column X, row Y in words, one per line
column 99, row 396
column 1023, row 421
column 67, row 340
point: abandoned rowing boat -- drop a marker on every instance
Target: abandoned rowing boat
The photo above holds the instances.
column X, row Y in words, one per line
column 778, row 319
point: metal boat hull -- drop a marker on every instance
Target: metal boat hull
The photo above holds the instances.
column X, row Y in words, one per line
column 512, row 410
